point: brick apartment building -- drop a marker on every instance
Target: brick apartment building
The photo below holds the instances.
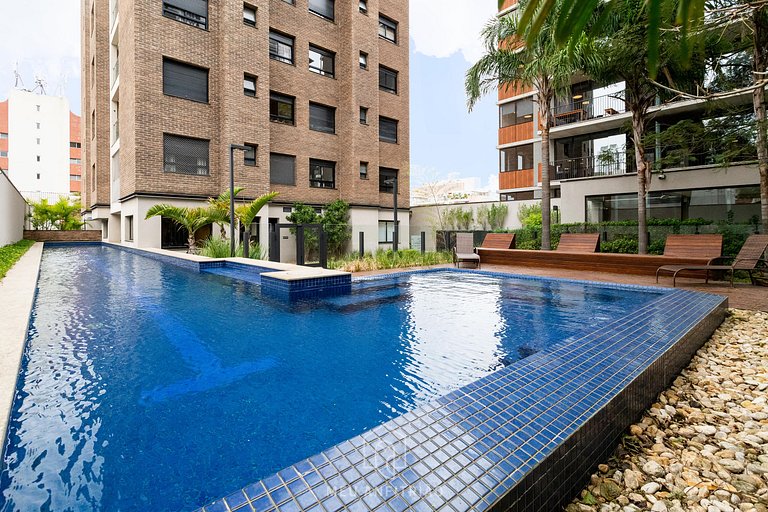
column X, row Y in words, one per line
column 40, row 144
column 592, row 180
column 317, row 89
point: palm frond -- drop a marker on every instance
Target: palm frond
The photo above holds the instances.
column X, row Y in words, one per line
column 248, row 212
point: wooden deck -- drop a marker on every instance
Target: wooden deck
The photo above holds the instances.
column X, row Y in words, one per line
column 589, row 262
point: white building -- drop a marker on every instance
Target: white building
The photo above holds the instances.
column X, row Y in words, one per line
column 38, row 155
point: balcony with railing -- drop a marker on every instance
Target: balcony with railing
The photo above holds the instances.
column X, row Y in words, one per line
column 584, row 107
column 611, row 163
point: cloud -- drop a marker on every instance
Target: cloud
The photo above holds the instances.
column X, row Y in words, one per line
column 440, row 28
column 43, row 39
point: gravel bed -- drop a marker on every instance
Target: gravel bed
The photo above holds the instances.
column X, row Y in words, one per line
column 703, row 446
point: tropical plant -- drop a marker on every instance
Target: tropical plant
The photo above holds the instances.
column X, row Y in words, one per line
column 191, row 219
column 576, row 17
column 386, row 259
column 481, row 216
column 496, row 215
column 513, row 56
column 335, row 221
column 530, row 215
column 63, row 214
column 246, row 214
column 215, row 247
column 219, row 208
column 622, row 45
column 305, row 214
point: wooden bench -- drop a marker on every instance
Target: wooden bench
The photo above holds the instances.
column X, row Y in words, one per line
column 499, row 241
column 579, row 242
column 704, row 248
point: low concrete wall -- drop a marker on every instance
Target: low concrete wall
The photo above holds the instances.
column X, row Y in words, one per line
column 80, row 235
column 13, row 210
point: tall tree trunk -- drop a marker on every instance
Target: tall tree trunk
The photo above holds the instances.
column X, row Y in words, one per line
column 643, row 178
column 191, row 242
column 246, row 241
column 760, row 66
column 545, row 109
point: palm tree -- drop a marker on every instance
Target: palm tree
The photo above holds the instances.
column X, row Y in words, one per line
column 219, row 207
column 191, row 219
column 576, row 16
column 622, row 45
column 246, row 213
column 539, row 63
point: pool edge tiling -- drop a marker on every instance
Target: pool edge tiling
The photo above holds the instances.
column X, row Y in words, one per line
column 523, row 438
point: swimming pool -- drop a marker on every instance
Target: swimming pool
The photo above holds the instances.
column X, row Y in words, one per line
column 146, row 385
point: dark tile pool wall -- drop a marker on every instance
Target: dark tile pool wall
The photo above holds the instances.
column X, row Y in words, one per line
column 525, row 437
column 562, row 475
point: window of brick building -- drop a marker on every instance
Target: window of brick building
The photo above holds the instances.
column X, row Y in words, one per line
column 185, row 155
column 363, row 115
column 387, row 29
column 363, row 6
column 184, row 80
column 191, row 12
column 322, row 118
column 249, row 157
column 281, row 47
column 282, row 169
column 363, row 60
column 387, row 79
column 322, row 8
column 249, row 15
column 249, row 85
column 322, row 61
column 387, row 180
column 281, row 108
column 387, row 129
column 322, row 174
column 363, row 170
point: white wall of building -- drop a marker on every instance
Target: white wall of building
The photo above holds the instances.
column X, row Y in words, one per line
column 575, row 192
column 426, row 218
column 13, row 210
column 38, row 142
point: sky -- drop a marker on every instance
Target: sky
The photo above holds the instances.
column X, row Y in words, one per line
column 41, row 40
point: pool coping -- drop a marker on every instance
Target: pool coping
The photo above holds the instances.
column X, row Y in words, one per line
column 454, row 454
column 17, row 297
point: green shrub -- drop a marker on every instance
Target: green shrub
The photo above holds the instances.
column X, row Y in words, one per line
column 621, row 245
column 386, row 259
column 220, row 248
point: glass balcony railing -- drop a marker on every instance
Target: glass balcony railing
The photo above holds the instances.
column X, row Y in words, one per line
column 115, row 131
column 113, row 15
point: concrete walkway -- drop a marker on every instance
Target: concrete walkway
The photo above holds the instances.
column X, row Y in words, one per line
column 17, row 292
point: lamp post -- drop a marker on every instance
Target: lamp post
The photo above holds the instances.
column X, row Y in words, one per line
column 232, row 148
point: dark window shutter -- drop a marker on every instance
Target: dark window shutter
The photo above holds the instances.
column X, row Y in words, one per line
column 185, row 81
column 185, row 155
column 282, row 169
column 322, row 118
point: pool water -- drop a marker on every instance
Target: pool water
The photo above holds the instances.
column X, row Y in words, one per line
column 147, row 386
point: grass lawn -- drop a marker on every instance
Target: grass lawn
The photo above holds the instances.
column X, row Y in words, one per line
column 10, row 254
